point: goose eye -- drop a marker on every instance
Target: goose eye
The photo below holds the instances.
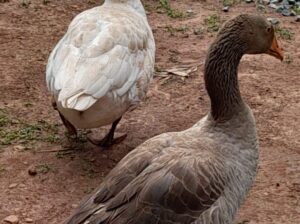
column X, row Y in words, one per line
column 269, row 29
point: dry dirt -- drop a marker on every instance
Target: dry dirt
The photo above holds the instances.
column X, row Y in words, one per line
column 29, row 125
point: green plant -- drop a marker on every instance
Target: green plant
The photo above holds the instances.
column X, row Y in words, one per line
column 172, row 30
column 2, row 169
column 199, row 32
column 4, row 120
column 231, row 2
column 296, row 9
column 25, row 3
column 173, row 13
column 288, row 59
column 28, row 132
column 213, row 23
column 43, row 168
column 284, row 33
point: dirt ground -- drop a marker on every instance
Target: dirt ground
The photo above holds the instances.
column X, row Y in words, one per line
column 30, row 128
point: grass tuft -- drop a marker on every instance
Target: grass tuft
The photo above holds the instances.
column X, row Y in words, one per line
column 284, row 33
column 296, row 9
column 11, row 133
column 173, row 13
column 213, row 23
column 231, row 2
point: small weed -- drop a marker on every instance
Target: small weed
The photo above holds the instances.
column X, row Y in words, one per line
column 2, row 169
column 147, row 6
column 52, row 138
column 261, row 8
column 62, row 154
column 28, row 104
column 4, row 120
column 157, row 69
column 231, row 2
column 296, row 9
column 25, row 3
column 199, row 32
column 172, row 30
column 173, row 13
column 7, row 137
column 284, row 33
column 89, row 190
column 24, row 133
column 288, row 59
column 182, row 29
column 213, row 23
column 43, row 168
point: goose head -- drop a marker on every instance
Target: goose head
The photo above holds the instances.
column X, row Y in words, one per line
column 254, row 33
column 244, row 34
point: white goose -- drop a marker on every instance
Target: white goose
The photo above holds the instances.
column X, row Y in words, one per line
column 102, row 67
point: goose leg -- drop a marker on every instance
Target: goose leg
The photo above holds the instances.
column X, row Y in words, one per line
column 109, row 139
column 72, row 133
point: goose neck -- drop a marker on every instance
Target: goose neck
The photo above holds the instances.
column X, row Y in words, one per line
column 221, row 79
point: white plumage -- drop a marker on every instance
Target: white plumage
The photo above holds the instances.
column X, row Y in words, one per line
column 103, row 64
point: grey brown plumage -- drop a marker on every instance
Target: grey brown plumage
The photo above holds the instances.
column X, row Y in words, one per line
column 200, row 175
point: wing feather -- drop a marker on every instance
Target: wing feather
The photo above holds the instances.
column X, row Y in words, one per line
column 155, row 186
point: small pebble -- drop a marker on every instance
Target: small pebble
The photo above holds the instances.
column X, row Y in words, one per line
column 279, row 9
column 226, row 8
column 249, row 1
column 74, row 205
column 12, row 219
column 298, row 19
column 32, row 171
column 286, row 4
column 104, row 156
column 12, row 186
column 273, row 21
column 189, row 12
column 28, row 220
column 22, row 185
column 286, row 12
column 19, row 148
column 92, row 160
column 273, row 6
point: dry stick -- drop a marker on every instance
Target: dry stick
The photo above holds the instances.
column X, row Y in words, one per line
column 55, row 150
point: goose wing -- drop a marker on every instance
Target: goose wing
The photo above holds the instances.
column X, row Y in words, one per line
column 100, row 53
column 154, row 185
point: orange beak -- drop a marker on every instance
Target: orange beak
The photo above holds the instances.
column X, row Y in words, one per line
column 275, row 50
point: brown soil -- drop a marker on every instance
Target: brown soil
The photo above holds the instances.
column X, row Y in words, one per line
column 27, row 35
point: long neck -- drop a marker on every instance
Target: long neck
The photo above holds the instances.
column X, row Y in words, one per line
column 221, row 79
column 135, row 4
